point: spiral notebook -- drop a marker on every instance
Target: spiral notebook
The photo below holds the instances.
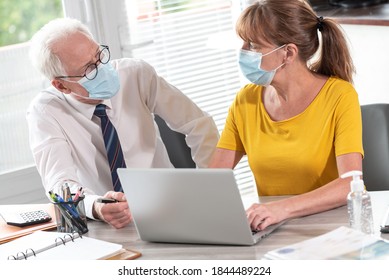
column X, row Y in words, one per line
column 42, row 245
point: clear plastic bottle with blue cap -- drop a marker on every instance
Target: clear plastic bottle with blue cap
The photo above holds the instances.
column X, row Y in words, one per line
column 359, row 204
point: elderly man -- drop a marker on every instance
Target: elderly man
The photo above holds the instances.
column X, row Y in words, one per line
column 99, row 115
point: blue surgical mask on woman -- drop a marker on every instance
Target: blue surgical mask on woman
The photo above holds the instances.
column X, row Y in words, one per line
column 105, row 85
column 250, row 65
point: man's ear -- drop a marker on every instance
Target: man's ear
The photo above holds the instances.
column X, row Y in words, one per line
column 58, row 84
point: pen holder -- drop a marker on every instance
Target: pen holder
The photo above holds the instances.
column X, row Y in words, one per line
column 71, row 216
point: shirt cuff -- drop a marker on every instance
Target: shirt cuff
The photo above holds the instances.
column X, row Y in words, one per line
column 88, row 203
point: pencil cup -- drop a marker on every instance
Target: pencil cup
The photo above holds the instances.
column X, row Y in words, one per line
column 71, row 216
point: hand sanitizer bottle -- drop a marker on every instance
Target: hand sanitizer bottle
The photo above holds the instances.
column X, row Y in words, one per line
column 359, row 204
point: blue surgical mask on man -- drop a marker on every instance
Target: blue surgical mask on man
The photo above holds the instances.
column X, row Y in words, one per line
column 250, row 65
column 105, row 85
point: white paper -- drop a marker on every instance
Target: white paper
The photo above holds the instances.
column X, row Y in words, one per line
column 341, row 243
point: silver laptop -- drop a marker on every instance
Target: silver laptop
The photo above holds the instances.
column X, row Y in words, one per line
column 201, row 206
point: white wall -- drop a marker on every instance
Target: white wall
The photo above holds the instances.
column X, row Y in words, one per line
column 22, row 186
column 369, row 49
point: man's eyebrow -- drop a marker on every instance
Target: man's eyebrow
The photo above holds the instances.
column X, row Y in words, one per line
column 89, row 62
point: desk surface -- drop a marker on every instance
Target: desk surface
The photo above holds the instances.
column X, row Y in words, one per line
column 293, row 231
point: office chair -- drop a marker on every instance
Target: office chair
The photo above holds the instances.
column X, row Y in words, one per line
column 178, row 151
column 375, row 124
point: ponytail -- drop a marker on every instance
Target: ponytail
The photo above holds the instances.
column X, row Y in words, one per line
column 334, row 58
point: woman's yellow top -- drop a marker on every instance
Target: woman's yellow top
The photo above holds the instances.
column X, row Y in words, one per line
column 296, row 155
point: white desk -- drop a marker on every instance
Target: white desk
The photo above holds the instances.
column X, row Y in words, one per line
column 293, row 231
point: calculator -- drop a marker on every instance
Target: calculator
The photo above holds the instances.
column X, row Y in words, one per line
column 27, row 218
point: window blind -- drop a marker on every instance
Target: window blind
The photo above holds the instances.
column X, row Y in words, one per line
column 19, row 84
column 191, row 44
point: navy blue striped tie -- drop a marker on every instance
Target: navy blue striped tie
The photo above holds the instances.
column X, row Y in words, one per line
column 112, row 144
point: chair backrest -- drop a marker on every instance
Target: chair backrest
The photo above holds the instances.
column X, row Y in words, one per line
column 178, row 151
column 375, row 123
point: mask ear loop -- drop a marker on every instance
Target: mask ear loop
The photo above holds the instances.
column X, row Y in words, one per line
column 284, row 58
column 276, row 49
column 286, row 55
column 279, row 66
column 274, row 71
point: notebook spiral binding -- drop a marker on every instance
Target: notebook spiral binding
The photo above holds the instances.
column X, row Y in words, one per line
column 69, row 237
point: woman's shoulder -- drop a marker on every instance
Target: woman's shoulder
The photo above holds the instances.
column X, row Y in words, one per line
column 337, row 93
column 338, row 83
column 249, row 92
column 338, row 89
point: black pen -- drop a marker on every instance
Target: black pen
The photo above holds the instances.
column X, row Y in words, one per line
column 106, row 200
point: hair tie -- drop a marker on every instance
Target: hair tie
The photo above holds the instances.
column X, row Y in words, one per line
column 319, row 25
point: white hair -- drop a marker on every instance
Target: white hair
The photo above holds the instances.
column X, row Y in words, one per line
column 41, row 47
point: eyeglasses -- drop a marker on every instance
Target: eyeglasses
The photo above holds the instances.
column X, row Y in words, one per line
column 91, row 69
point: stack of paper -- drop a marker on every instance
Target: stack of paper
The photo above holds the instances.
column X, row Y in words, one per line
column 341, row 243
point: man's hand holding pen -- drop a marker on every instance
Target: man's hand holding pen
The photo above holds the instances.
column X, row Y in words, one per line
column 113, row 209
